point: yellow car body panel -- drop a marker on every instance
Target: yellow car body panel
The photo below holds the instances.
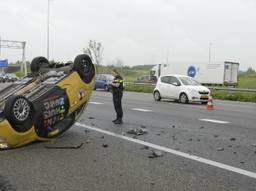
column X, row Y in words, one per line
column 74, row 84
column 12, row 138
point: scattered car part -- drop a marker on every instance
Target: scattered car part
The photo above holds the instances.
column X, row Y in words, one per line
column 65, row 147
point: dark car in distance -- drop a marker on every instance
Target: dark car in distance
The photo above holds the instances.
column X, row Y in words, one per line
column 102, row 81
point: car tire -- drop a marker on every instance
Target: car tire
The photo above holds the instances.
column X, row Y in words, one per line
column 84, row 67
column 183, row 98
column 19, row 112
column 37, row 63
column 157, row 96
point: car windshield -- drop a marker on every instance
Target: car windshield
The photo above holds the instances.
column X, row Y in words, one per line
column 189, row 81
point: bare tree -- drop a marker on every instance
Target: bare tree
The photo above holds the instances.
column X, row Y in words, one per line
column 119, row 64
column 95, row 51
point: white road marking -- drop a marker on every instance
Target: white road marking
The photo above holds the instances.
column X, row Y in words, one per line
column 143, row 110
column 96, row 103
column 175, row 152
column 214, row 121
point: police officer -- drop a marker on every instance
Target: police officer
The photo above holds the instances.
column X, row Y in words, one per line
column 117, row 90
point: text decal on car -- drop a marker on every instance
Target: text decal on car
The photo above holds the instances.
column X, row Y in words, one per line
column 54, row 110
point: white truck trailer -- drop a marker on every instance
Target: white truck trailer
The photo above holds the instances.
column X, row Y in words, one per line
column 218, row 73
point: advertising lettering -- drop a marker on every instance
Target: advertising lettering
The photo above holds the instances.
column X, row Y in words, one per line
column 54, row 111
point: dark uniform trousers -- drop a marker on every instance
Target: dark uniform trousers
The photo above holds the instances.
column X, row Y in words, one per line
column 117, row 99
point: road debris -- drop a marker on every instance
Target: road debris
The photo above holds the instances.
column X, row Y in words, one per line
column 242, row 162
column 5, row 185
column 91, row 117
column 216, row 136
column 173, row 126
column 202, row 127
column 145, row 147
column 190, row 139
column 156, row 154
column 137, row 132
column 86, row 131
column 104, row 145
column 232, row 139
column 64, row 147
column 220, row 149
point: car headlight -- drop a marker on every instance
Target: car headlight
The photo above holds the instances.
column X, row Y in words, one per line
column 4, row 146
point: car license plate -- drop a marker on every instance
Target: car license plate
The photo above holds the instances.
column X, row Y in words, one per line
column 204, row 97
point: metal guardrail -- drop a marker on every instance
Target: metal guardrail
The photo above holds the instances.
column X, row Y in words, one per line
column 138, row 84
column 233, row 89
column 213, row 88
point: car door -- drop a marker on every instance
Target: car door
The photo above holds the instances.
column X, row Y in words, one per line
column 163, row 86
column 104, row 81
column 173, row 88
column 97, row 85
column 100, row 81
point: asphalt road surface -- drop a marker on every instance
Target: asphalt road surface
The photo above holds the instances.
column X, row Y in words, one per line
column 197, row 149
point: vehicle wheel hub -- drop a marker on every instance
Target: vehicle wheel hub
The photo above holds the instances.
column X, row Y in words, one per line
column 157, row 96
column 21, row 109
column 183, row 98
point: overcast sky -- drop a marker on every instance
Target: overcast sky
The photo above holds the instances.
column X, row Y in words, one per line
column 135, row 31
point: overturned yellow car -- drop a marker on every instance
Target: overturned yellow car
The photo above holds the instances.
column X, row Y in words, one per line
column 45, row 103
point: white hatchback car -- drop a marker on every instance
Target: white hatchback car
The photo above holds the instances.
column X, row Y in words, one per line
column 181, row 88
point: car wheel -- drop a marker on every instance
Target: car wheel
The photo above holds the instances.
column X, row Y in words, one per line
column 37, row 63
column 183, row 98
column 84, row 67
column 19, row 112
column 157, row 96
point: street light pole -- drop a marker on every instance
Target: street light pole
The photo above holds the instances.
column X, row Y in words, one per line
column 0, row 46
column 210, row 46
column 48, row 30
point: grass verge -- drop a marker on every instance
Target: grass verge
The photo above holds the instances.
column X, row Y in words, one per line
column 144, row 89
column 234, row 96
